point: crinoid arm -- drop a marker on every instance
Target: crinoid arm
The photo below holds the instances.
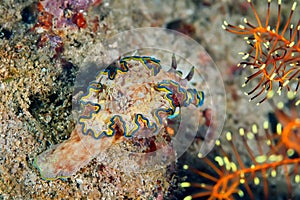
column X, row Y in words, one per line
column 267, row 160
column 273, row 58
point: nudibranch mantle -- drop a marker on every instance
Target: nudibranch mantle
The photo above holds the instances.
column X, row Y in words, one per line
column 133, row 96
column 129, row 97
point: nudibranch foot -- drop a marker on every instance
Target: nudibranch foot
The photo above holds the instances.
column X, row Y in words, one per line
column 63, row 160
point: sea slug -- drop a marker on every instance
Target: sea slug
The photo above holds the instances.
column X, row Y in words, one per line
column 132, row 96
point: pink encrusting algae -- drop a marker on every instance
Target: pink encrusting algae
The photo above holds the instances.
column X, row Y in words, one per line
column 132, row 97
column 64, row 13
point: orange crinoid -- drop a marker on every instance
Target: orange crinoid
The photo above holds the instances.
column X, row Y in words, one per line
column 267, row 168
column 274, row 55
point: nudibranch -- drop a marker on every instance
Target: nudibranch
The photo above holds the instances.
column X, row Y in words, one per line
column 133, row 96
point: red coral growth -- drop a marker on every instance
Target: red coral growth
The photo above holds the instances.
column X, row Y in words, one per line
column 79, row 20
column 54, row 41
column 274, row 53
column 45, row 20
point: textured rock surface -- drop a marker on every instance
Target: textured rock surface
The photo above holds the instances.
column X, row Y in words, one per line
column 37, row 71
